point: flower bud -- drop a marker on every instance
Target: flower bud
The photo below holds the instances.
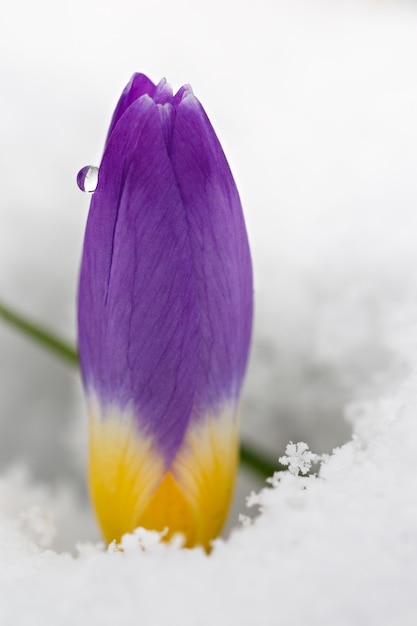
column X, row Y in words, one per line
column 164, row 318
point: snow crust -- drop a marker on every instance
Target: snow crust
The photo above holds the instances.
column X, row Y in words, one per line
column 315, row 104
column 336, row 547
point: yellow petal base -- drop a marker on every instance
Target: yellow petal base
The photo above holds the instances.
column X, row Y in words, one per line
column 130, row 487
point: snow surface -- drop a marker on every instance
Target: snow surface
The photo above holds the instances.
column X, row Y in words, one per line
column 315, row 103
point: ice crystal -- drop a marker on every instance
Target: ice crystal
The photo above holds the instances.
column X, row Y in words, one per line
column 298, row 458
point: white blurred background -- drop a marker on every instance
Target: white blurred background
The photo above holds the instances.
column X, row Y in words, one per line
column 315, row 104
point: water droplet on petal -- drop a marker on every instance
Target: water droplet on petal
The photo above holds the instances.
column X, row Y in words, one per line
column 87, row 178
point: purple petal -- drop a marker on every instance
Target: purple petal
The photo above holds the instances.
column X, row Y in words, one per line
column 138, row 86
column 165, row 297
column 220, row 249
column 138, row 310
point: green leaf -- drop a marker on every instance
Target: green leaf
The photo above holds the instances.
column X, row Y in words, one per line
column 258, row 462
column 39, row 334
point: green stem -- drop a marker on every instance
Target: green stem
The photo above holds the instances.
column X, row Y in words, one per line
column 39, row 334
column 252, row 459
column 257, row 462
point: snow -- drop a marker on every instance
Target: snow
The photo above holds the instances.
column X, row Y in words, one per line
column 298, row 458
column 314, row 102
column 338, row 548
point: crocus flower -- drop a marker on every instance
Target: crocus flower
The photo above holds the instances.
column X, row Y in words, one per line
column 165, row 314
